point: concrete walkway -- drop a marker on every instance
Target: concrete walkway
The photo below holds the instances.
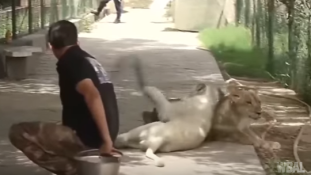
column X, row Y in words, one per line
column 171, row 63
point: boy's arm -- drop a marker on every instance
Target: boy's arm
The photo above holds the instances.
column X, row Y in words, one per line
column 94, row 102
column 79, row 70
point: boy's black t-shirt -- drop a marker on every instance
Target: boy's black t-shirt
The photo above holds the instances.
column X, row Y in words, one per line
column 74, row 66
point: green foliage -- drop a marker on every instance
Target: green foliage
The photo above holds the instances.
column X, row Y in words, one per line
column 233, row 45
column 280, row 36
column 233, row 37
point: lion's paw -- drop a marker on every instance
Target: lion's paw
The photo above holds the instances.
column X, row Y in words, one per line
column 160, row 163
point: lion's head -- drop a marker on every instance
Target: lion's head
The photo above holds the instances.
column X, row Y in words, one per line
column 244, row 100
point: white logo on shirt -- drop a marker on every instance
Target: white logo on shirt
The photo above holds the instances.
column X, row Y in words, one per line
column 101, row 73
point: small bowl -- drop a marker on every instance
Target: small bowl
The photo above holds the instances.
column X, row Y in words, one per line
column 91, row 163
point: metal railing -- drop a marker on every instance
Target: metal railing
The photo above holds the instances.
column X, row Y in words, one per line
column 22, row 17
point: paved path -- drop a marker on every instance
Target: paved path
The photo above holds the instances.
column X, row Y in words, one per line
column 172, row 64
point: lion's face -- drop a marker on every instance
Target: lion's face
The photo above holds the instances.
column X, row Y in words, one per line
column 245, row 100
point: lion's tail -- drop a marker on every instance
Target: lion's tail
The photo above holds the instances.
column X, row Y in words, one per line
column 139, row 73
column 151, row 92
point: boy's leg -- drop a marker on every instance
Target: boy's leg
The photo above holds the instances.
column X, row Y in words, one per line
column 49, row 145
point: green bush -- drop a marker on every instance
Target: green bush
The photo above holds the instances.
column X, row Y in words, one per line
column 233, row 44
column 233, row 37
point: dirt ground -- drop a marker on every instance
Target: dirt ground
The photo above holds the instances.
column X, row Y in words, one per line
column 291, row 116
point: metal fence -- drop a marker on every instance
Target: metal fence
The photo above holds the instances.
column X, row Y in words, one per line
column 22, row 17
column 283, row 29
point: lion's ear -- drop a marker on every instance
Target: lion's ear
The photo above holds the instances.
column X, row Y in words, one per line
column 235, row 97
column 234, row 91
column 233, row 82
column 233, row 88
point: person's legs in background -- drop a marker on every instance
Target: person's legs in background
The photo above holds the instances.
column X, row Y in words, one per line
column 101, row 6
column 118, row 5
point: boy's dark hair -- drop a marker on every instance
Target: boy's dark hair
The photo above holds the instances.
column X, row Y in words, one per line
column 62, row 33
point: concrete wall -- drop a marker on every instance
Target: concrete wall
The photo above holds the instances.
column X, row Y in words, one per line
column 195, row 15
column 191, row 16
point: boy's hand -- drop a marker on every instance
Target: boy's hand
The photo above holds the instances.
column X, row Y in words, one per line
column 107, row 149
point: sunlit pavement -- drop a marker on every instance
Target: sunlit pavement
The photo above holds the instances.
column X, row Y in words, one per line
column 172, row 63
